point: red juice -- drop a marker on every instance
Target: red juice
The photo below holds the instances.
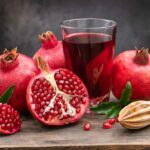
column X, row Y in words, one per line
column 90, row 56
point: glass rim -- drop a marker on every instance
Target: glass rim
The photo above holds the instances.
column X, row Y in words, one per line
column 63, row 25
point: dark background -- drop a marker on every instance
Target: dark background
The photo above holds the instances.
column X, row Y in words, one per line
column 22, row 20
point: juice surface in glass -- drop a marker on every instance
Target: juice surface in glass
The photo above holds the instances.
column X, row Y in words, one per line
column 90, row 56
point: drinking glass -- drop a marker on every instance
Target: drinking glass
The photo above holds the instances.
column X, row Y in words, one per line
column 88, row 45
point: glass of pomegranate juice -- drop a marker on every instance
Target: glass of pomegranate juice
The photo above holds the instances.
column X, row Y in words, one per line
column 88, row 45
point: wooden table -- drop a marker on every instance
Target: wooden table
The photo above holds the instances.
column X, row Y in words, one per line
column 35, row 136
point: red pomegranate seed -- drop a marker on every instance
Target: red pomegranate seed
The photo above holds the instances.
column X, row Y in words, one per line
column 83, row 101
column 78, row 110
column 87, row 126
column 58, row 76
column 107, row 125
column 73, row 103
column 71, row 87
column 64, row 78
column 61, row 81
column 62, row 73
column 67, row 82
column 66, row 87
column 111, row 121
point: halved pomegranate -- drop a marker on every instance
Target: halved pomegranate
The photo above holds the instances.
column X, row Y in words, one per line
column 56, row 97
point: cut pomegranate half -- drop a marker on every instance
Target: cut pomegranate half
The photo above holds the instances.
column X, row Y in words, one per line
column 57, row 97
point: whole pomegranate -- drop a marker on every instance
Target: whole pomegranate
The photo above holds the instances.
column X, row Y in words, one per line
column 51, row 50
column 133, row 66
column 10, row 121
column 16, row 69
column 56, row 97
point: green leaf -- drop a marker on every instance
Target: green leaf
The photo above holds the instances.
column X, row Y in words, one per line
column 104, row 107
column 126, row 94
column 7, row 94
column 114, row 111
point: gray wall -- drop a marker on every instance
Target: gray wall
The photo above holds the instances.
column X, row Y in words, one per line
column 22, row 20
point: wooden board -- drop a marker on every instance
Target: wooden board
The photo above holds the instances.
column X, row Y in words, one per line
column 35, row 136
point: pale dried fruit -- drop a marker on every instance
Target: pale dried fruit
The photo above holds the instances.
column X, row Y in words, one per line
column 136, row 115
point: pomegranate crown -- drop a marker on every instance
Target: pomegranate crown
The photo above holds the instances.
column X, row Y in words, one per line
column 142, row 56
column 9, row 56
column 42, row 65
column 48, row 40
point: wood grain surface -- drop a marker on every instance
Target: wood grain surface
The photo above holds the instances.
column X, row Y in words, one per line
column 35, row 136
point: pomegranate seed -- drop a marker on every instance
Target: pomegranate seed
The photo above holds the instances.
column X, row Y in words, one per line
column 75, row 83
column 50, row 92
column 41, row 79
column 55, row 113
column 78, row 110
column 35, row 97
column 65, row 107
column 59, row 112
column 48, row 97
column 61, row 81
column 79, row 92
column 40, row 90
column 64, row 78
column 69, row 92
column 71, row 87
column 44, row 88
column 40, row 86
column 62, row 73
column 76, row 100
column 67, row 82
column 75, row 91
column 83, row 101
column 116, row 118
column 66, row 87
column 73, row 103
column 65, row 91
column 51, row 111
column 70, row 80
column 80, row 86
column 107, row 125
column 111, row 121
column 58, row 76
column 59, row 96
column 37, row 82
column 83, row 90
column 76, row 87
column 35, row 87
column 45, row 83
column 42, row 103
column 87, row 126
column 58, row 105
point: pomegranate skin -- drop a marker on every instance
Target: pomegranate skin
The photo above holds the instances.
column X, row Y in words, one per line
column 51, row 50
column 17, row 73
column 125, row 68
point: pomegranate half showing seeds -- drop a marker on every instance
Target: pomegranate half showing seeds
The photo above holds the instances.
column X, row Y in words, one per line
column 56, row 97
column 10, row 121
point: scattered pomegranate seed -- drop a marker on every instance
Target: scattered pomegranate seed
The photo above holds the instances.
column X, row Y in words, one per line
column 111, row 121
column 87, row 126
column 107, row 125
column 116, row 118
